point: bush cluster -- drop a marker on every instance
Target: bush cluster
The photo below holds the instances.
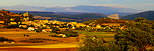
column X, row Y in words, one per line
column 36, row 40
column 5, row 39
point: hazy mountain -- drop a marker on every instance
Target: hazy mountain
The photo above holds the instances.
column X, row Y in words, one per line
column 44, row 12
column 63, row 16
column 105, row 10
column 89, row 15
column 147, row 14
column 71, row 18
column 82, row 8
column 32, row 12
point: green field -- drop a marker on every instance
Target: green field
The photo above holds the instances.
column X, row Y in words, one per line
column 85, row 32
column 106, row 35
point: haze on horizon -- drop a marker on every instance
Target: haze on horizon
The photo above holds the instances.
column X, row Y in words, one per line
column 135, row 4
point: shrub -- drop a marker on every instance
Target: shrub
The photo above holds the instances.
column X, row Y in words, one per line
column 38, row 30
column 54, row 30
column 33, row 41
column 91, row 44
column 12, row 26
column 5, row 39
column 55, row 36
column 70, row 33
column 36, row 40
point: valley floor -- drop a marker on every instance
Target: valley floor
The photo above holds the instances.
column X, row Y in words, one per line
column 61, row 44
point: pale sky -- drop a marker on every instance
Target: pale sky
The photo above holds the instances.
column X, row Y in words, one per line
column 136, row 4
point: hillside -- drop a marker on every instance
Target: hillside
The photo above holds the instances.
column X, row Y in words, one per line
column 71, row 18
column 147, row 14
column 104, row 20
column 89, row 15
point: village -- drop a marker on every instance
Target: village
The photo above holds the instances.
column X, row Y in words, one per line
column 22, row 29
column 25, row 21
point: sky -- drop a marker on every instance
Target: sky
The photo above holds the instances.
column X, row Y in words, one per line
column 135, row 4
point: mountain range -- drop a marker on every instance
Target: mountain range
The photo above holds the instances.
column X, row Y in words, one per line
column 76, row 16
column 77, row 9
column 63, row 16
column 80, row 13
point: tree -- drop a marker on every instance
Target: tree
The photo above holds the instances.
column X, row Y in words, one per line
column 69, row 26
column 38, row 30
column 54, row 30
column 70, row 33
column 137, row 37
column 138, row 34
column 31, row 18
column 5, row 39
column 91, row 44
column 139, row 19
column 17, row 19
column 6, row 19
column 3, row 10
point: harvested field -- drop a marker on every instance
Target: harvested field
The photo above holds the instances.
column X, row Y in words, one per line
column 59, row 44
column 38, row 49
column 19, row 36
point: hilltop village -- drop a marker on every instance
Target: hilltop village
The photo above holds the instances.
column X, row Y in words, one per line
column 26, row 21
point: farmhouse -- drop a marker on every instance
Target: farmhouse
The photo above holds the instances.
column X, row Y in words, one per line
column 13, row 23
column 24, row 26
column 46, row 30
column 31, row 29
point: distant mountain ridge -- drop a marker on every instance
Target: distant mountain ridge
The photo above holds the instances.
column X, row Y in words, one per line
column 45, row 12
column 63, row 16
column 71, row 18
column 147, row 14
column 39, row 12
column 82, row 8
